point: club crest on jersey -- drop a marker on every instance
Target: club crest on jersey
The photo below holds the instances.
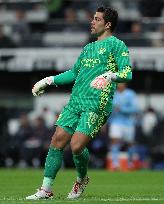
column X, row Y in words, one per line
column 101, row 51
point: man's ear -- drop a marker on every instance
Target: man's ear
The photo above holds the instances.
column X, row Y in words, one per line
column 108, row 25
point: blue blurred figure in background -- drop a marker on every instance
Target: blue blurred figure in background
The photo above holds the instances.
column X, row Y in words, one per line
column 122, row 124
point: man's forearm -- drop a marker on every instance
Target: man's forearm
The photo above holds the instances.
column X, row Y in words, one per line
column 64, row 78
column 123, row 75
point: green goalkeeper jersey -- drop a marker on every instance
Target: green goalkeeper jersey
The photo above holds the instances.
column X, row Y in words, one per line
column 109, row 54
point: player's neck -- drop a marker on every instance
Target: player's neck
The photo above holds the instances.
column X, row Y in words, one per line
column 104, row 35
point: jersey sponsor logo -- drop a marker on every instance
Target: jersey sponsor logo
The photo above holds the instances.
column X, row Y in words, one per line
column 102, row 51
column 125, row 54
column 90, row 62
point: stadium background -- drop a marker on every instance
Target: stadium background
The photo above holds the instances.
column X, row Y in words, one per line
column 41, row 38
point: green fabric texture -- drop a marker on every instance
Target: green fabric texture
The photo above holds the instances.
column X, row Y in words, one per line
column 109, row 54
column 65, row 78
column 81, row 163
column 121, row 78
column 53, row 162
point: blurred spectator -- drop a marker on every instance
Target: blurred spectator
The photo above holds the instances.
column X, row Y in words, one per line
column 149, row 121
column 136, row 37
column 159, row 42
column 32, row 145
column 122, row 124
column 5, row 41
column 136, row 27
column 70, row 15
column 47, row 114
column 21, row 29
column 145, row 135
column 156, row 145
column 151, row 8
column 70, row 18
column 16, row 144
column 49, row 117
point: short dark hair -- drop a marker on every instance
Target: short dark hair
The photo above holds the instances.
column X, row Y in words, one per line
column 110, row 15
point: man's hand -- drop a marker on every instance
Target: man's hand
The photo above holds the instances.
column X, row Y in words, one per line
column 102, row 81
column 39, row 87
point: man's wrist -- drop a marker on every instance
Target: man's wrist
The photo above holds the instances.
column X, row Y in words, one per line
column 113, row 76
column 53, row 80
column 50, row 80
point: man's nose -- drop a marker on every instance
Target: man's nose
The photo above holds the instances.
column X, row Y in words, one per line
column 92, row 22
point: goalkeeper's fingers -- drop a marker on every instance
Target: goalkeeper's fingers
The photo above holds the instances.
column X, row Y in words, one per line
column 36, row 90
column 39, row 87
column 40, row 92
column 37, row 93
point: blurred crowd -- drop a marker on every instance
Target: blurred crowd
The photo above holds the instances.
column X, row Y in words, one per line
column 40, row 23
column 130, row 140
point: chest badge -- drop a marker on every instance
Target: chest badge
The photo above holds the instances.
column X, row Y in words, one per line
column 102, row 51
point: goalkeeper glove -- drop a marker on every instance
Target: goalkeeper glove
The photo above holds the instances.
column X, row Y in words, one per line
column 103, row 80
column 39, row 87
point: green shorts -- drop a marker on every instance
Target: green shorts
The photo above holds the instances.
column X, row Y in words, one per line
column 86, row 122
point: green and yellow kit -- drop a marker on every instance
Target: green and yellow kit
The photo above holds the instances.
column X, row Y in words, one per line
column 89, row 108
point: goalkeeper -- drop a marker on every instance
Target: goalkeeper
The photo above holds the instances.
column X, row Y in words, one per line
column 100, row 66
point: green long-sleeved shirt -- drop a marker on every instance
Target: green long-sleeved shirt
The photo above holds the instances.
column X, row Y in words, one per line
column 109, row 54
